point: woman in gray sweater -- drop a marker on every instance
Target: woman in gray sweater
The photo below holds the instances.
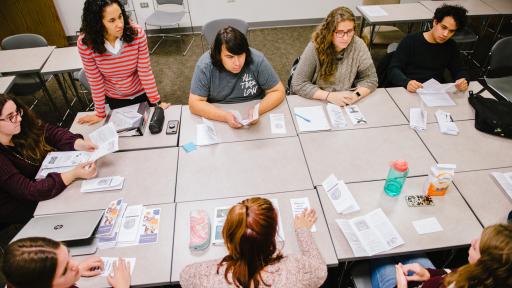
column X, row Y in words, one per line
column 336, row 66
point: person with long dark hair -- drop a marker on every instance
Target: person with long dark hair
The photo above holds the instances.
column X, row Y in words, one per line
column 24, row 143
column 38, row 262
column 253, row 258
column 115, row 57
column 232, row 72
column 490, row 265
column 336, row 65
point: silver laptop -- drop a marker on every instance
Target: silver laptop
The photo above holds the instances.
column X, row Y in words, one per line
column 76, row 230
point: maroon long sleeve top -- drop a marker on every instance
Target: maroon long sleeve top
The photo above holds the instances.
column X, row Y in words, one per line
column 19, row 191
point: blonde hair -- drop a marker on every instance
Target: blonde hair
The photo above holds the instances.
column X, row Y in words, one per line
column 322, row 39
column 494, row 267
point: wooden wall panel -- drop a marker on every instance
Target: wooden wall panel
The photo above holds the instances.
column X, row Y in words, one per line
column 32, row 16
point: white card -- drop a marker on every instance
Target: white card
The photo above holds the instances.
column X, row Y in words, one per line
column 336, row 116
column 427, row 225
column 299, row 205
column 277, row 124
column 355, row 115
column 108, row 265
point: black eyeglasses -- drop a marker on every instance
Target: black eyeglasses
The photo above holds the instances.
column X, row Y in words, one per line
column 13, row 116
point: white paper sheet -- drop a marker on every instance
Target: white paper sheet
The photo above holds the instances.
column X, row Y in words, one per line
column 355, row 115
column 299, row 205
column 245, row 122
column 206, row 134
column 504, row 180
column 352, row 238
column 336, row 116
column 435, row 94
column 106, row 140
column 418, row 119
column 427, row 225
column 341, row 198
column 373, row 10
column 130, row 225
column 108, row 265
column 311, row 118
column 277, row 124
column 125, row 117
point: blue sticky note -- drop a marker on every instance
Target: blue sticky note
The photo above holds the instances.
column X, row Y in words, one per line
column 189, row 147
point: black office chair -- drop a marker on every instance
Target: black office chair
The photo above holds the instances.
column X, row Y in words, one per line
column 26, row 84
column 211, row 28
column 498, row 77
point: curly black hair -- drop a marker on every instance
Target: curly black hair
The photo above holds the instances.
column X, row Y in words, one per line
column 457, row 12
column 93, row 28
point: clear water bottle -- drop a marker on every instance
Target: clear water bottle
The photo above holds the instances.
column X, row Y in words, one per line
column 397, row 174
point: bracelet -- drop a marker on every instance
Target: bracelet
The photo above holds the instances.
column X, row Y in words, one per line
column 327, row 97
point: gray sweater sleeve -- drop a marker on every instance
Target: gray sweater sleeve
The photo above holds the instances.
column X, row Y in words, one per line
column 302, row 81
column 366, row 74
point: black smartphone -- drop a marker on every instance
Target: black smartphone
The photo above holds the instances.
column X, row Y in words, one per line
column 172, row 127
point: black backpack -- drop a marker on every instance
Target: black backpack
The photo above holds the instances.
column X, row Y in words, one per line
column 492, row 116
column 292, row 71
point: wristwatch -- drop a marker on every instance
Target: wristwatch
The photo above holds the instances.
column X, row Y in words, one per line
column 357, row 93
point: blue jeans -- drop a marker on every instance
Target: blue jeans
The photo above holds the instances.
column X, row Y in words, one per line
column 383, row 269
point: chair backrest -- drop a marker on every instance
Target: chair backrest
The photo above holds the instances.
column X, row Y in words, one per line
column 380, row 2
column 211, row 28
column 21, row 41
column 501, row 53
column 83, row 80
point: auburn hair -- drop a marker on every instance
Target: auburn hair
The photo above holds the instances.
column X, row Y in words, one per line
column 322, row 39
column 494, row 267
column 250, row 238
column 30, row 262
column 30, row 141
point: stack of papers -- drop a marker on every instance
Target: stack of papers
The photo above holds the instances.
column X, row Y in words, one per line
column 446, row 124
column 255, row 115
column 504, row 180
column 205, row 133
column 311, row 118
column 418, row 119
column 340, row 196
column 370, row 234
column 106, row 140
column 124, row 225
column 102, row 184
column 434, row 93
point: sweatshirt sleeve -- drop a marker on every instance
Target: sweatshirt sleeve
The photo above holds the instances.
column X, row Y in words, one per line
column 144, row 68
column 399, row 62
column 20, row 187
column 302, row 81
column 313, row 269
column 60, row 138
column 94, row 77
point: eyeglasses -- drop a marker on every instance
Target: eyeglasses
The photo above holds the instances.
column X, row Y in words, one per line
column 13, row 116
column 341, row 34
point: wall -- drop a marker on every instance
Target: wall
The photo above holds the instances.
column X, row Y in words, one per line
column 202, row 11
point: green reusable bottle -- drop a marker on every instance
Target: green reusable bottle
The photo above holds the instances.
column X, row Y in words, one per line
column 398, row 171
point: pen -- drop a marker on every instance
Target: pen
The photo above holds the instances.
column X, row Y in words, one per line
column 303, row 118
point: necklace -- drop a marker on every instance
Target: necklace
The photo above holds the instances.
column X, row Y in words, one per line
column 26, row 160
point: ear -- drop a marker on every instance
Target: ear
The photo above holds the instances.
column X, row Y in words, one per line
column 435, row 22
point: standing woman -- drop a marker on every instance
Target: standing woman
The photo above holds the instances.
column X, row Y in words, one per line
column 115, row 56
column 336, row 66
column 24, row 143
column 253, row 259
